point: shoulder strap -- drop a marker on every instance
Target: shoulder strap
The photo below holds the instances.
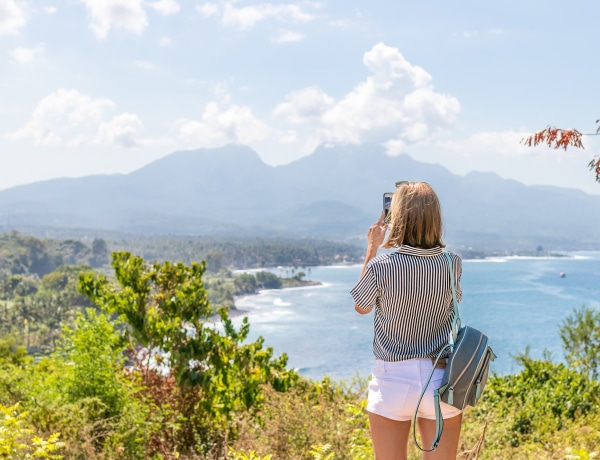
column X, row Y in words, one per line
column 456, row 319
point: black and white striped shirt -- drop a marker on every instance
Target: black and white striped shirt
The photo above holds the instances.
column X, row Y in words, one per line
column 410, row 290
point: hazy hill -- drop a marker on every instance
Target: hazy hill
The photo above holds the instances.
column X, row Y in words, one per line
column 333, row 193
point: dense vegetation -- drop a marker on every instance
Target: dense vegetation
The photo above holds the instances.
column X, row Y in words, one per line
column 239, row 252
column 127, row 363
column 39, row 291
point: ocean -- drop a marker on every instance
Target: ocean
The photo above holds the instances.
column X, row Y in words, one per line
column 519, row 302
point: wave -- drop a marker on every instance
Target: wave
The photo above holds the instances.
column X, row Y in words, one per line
column 487, row 260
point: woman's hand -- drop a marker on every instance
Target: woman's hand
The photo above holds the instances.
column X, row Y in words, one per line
column 375, row 238
column 377, row 233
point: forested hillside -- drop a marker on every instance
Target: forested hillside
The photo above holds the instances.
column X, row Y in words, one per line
column 239, row 252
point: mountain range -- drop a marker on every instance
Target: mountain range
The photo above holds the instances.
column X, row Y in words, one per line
column 335, row 193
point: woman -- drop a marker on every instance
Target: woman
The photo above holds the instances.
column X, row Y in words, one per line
column 410, row 291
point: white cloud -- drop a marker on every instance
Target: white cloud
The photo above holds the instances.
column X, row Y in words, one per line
column 289, row 137
column 287, row 36
column 144, row 65
column 208, row 10
column 248, row 16
column 27, row 56
column 395, row 147
column 49, row 9
column 64, row 116
column 395, row 105
column 218, row 127
column 305, row 105
column 121, row 14
column 122, row 130
column 68, row 117
column 165, row 7
column 12, row 17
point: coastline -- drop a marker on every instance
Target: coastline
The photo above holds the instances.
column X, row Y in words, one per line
column 489, row 257
column 236, row 312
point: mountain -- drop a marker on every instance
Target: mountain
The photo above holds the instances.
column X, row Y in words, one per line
column 334, row 193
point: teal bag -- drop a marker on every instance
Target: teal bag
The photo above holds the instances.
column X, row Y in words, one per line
column 466, row 370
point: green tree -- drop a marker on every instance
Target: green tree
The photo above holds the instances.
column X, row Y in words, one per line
column 580, row 334
column 268, row 280
column 214, row 261
column 100, row 253
column 27, row 313
column 166, row 308
column 245, row 283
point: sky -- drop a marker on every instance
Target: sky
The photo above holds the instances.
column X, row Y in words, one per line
column 107, row 86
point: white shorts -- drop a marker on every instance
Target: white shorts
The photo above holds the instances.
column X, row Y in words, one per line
column 395, row 388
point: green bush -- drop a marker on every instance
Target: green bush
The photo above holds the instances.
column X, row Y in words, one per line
column 17, row 440
column 535, row 411
column 93, row 352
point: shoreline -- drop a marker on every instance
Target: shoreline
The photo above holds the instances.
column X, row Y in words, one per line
column 236, row 312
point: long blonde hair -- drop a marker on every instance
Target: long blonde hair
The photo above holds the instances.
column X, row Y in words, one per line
column 416, row 217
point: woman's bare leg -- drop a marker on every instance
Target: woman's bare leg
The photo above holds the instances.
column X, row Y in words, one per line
column 448, row 446
column 390, row 437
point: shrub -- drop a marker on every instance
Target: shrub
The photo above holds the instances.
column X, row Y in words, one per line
column 17, row 440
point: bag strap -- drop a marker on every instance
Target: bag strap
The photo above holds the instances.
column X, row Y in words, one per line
column 456, row 319
column 439, row 420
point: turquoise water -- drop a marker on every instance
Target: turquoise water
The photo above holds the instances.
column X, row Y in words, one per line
column 518, row 302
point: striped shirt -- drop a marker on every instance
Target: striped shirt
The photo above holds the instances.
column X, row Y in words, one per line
column 410, row 290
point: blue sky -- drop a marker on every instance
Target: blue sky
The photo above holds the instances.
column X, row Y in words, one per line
column 106, row 86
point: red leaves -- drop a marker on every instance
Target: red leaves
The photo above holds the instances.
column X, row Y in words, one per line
column 555, row 137
column 594, row 165
column 564, row 138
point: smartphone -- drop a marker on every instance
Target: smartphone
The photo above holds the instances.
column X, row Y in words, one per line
column 387, row 202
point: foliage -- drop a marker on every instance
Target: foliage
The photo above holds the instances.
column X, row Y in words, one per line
column 221, row 290
column 315, row 419
column 267, row 280
column 247, row 456
column 37, row 310
column 559, row 138
column 580, row 454
column 195, row 388
column 11, row 350
column 580, row 334
column 94, row 353
column 166, row 310
column 323, row 452
column 17, row 441
column 26, row 255
column 238, row 252
column 540, row 410
column 564, row 138
column 245, row 283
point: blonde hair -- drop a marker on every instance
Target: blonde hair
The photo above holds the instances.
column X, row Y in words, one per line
column 416, row 217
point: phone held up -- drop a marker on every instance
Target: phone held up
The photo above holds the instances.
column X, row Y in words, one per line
column 387, row 202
